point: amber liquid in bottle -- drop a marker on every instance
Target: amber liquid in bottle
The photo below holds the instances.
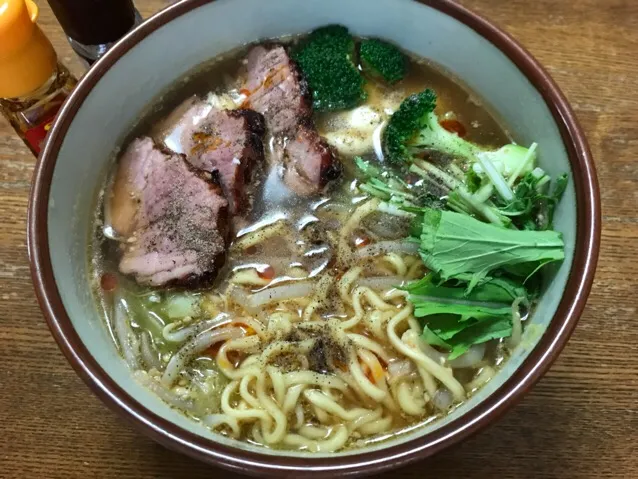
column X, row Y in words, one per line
column 32, row 115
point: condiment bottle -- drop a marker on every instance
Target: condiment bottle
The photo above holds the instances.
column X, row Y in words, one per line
column 92, row 26
column 33, row 84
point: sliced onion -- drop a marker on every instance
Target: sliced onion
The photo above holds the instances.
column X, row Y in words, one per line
column 432, row 353
column 278, row 263
column 198, row 344
column 384, row 247
column 183, row 334
column 443, row 400
column 381, row 283
column 467, row 360
column 163, row 393
column 517, row 325
column 400, row 368
column 149, row 353
column 126, row 337
column 295, row 289
column 471, row 358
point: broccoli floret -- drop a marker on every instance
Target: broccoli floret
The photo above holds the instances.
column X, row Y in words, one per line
column 325, row 59
column 383, row 60
column 405, row 124
column 415, row 127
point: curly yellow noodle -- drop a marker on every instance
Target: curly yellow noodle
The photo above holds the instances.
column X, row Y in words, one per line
column 237, row 413
column 299, row 416
column 376, row 427
column 245, row 393
column 397, row 263
column 439, row 372
column 370, row 389
column 274, row 398
column 410, row 397
column 321, row 415
column 214, row 421
column 320, row 400
column 336, row 440
column 345, row 283
column 314, row 432
column 416, row 271
column 292, row 397
column 367, row 343
column 279, row 418
column 278, row 384
column 321, row 292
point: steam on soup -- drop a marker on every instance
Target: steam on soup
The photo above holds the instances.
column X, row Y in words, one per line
column 305, row 247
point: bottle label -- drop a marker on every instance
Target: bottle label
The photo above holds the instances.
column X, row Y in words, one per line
column 36, row 135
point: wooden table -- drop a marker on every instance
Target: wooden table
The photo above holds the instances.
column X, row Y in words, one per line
column 580, row 421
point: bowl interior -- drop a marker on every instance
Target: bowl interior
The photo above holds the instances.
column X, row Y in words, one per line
column 155, row 63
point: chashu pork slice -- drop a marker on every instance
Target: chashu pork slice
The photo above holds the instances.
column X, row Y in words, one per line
column 228, row 141
column 173, row 217
column 276, row 89
column 309, row 162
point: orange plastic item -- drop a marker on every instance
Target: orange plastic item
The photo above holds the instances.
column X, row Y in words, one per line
column 27, row 58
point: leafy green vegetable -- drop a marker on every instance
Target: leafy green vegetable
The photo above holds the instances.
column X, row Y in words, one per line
column 383, row 60
column 455, row 319
column 386, row 184
column 532, row 208
column 325, row 59
column 484, row 254
column 414, row 129
column 453, row 244
column 463, row 335
column 473, row 181
column 495, row 290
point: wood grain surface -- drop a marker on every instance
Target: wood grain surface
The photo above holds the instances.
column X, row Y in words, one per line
column 580, row 421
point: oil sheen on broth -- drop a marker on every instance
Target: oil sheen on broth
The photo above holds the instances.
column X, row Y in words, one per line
column 303, row 341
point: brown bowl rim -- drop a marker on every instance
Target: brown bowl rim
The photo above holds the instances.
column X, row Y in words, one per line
column 174, row 437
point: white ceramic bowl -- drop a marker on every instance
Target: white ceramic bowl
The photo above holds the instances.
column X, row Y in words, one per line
column 121, row 86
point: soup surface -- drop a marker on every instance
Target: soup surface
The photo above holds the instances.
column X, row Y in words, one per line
column 282, row 316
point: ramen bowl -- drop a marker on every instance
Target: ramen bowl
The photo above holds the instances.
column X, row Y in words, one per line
column 135, row 72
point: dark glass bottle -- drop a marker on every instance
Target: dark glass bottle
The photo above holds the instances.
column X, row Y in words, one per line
column 92, row 26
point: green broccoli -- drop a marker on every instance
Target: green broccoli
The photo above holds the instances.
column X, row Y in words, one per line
column 415, row 128
column 325, row 58
column 383, row 60
column 405, row 124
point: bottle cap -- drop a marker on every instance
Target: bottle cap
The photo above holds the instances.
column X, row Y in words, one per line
column 27, row 58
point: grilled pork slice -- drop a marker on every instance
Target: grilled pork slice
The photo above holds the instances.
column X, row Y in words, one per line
column 309, row 162
column 275, row 88
column 173, row 216
column 215, row 139
column 229, row 142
